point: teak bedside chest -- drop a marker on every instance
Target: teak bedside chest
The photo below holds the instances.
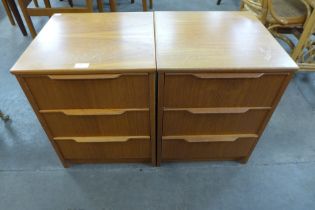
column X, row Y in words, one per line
column 91, row 81
column 220, row 77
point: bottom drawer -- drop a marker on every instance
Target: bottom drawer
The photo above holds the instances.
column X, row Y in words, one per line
column 220, row 149
column 135, row 150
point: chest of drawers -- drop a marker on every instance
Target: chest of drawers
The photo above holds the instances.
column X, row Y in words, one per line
column 220, row 77
column 144, row 87
column 91, row 87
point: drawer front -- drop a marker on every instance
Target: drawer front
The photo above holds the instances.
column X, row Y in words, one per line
column 133, row 150
column 222, row 89
column 179, row 149
column 90, row 91
column 98, row 123
column 205, row 121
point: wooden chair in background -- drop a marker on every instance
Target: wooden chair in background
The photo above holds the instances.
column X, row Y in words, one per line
column 14, row 14
column 49, row 11
column 144, row 5
column 304, row 52
column 281, row 17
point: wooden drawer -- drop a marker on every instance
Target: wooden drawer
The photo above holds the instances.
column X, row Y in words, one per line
column 222, row 89
column 90, row 91
column 134, row 150
column 207, row 147
column 199, row 121
column 98, row 122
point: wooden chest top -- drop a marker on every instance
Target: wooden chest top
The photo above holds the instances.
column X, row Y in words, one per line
column 81, row 43
column 202, row 41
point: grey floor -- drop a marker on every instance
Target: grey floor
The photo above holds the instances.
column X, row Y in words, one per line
column 279, row 175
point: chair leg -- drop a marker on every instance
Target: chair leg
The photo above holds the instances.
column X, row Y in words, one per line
column 70, row 3
column 36, row 3
column 218, row 2
column 144, row 5
column 8, row 11
column 100, row 5
column 151, row 4
column 17, row 16
column 132, row 1
column 47, row 3
column 27, row 18
column 112, row 4
column 89, row 5
column 242, row 6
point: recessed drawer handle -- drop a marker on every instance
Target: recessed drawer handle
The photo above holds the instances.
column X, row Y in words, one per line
column 87, row 76
column 100, row 139
column 226, row 110
column 92, row 112
column 229, row 75
column 210, row 138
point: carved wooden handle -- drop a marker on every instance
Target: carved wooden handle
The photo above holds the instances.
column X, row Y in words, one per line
column 223, row 110
column 100, row 139
column 84, row 76
column 210, row 138
column 228, row 75
column 92, row 112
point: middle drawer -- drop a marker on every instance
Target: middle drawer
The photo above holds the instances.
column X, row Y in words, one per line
column 65, row 123
column 196, row 121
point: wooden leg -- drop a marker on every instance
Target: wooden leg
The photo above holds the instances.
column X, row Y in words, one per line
column 36, row 3
column 218, row 2
column 8, row 11
column 27, row 18
column 100, row 5
column 307, row 31
column 70, row 3
column 89, row 5
column 132, row 1
column 242, row 5
column 47, row 3
column 151, row 4
column 17, row 16
column 243, row 160
column 144, row 5
column 112, row 4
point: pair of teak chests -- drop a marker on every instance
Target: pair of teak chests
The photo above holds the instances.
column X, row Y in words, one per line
column 154, row 87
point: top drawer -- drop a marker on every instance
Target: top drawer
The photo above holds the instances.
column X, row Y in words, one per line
column 184, row 90
column 90, row 91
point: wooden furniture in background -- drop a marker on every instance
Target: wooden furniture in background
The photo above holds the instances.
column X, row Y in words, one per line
column 49, row 11
column 144, row 5
column 220, row 77
column 95, row 97
column 280, row 16
column 13, row 13
column 304, row 52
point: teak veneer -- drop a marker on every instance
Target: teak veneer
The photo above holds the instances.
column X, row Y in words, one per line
column 154, row 87
column 91, row 81
column 221, row 75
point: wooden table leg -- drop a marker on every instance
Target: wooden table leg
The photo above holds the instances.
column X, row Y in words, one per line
column 144, row 5
column 112, row 4
column 17, row 16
